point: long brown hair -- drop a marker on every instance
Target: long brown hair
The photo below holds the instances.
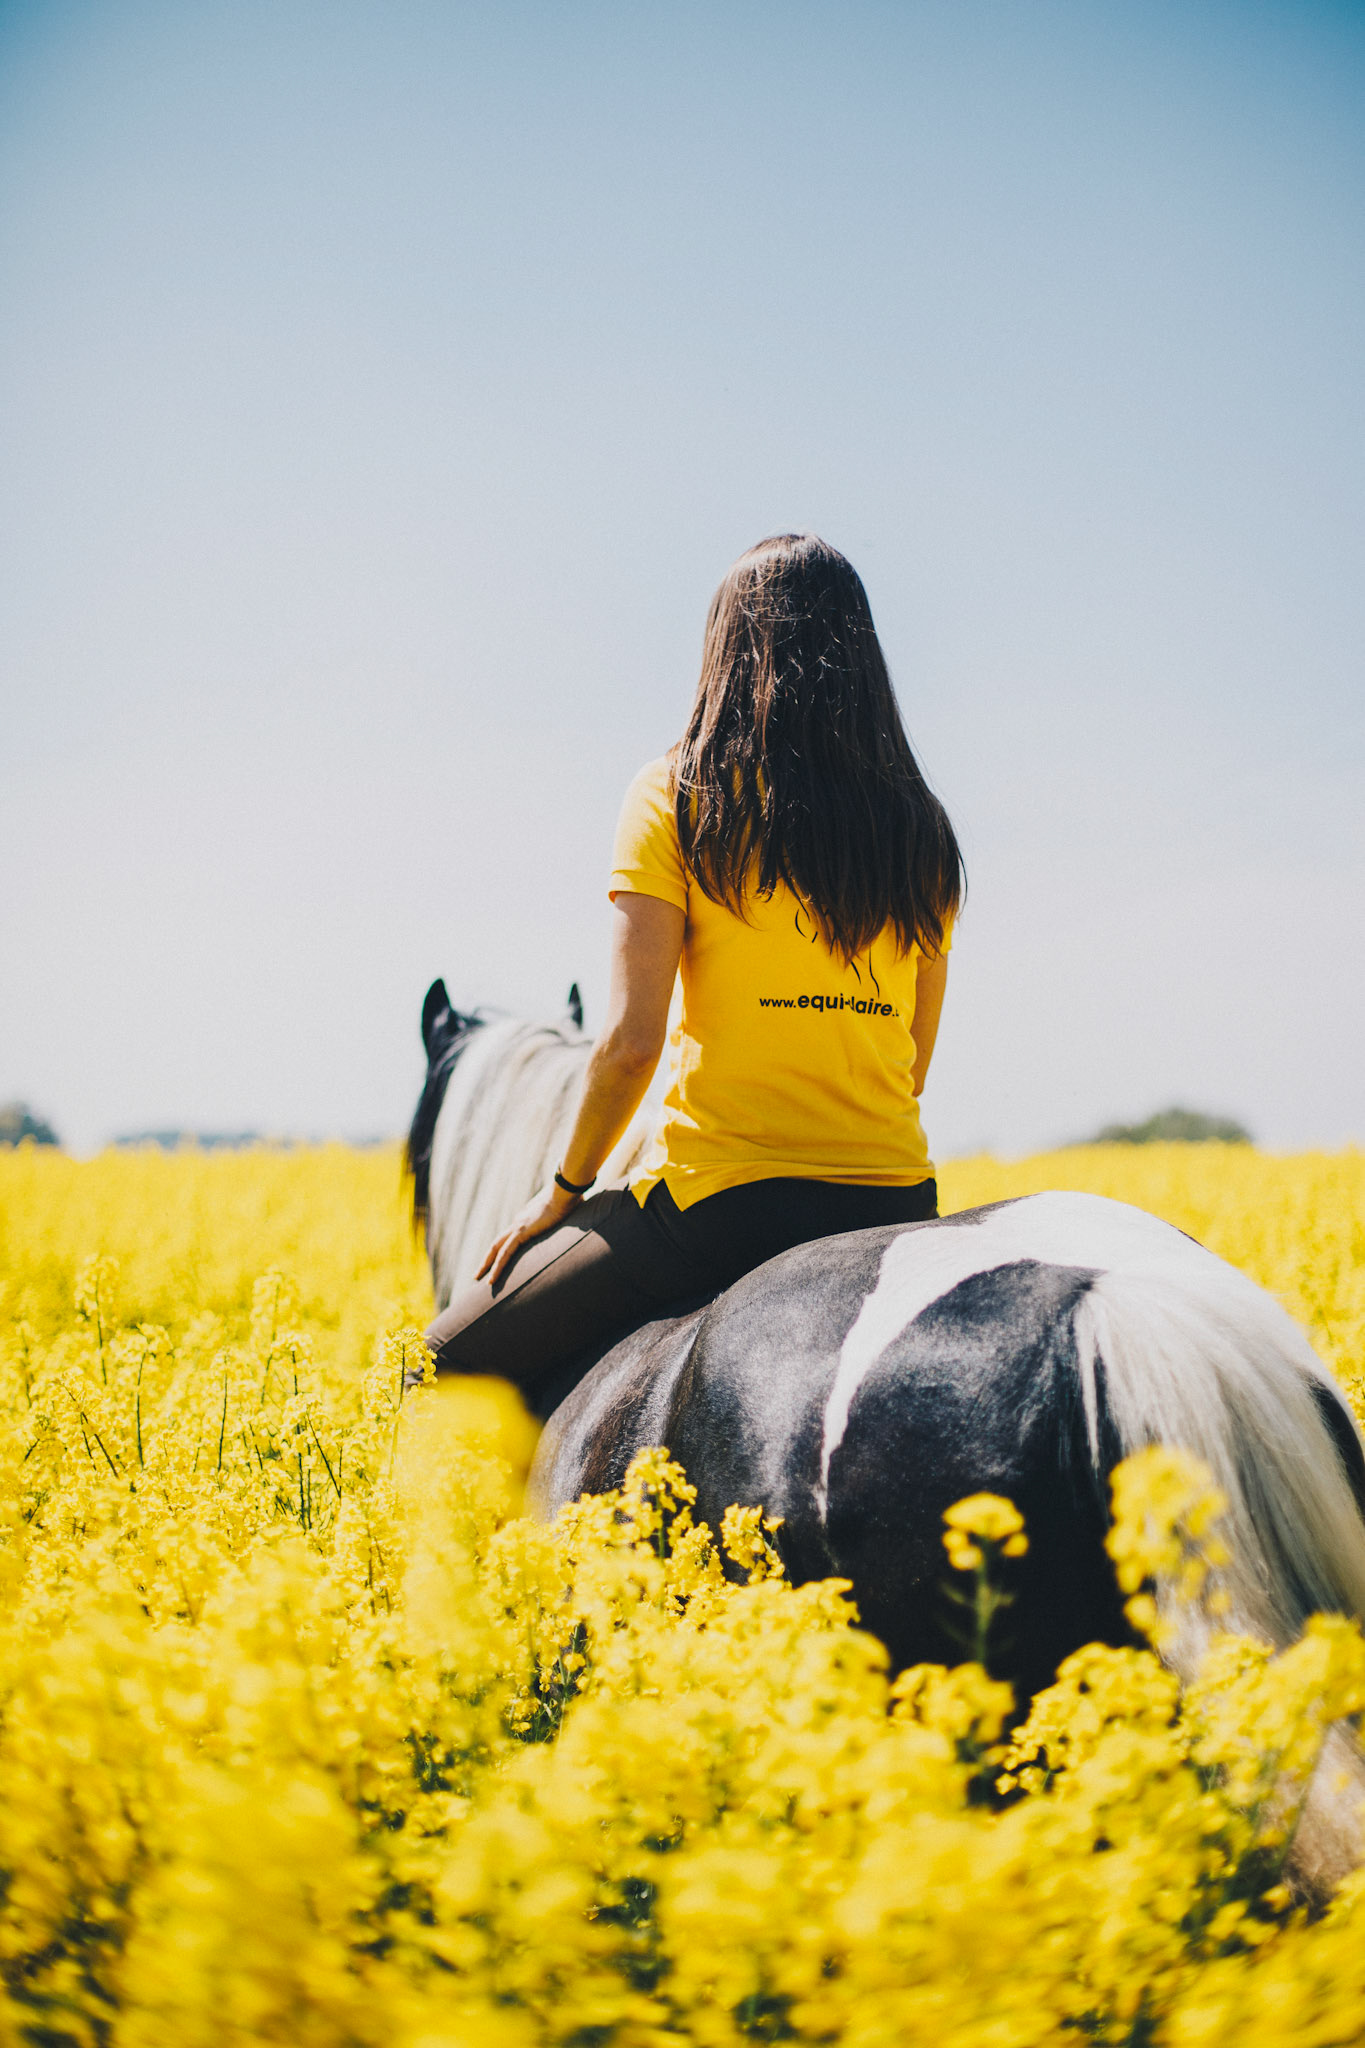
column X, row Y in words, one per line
column 795, row 766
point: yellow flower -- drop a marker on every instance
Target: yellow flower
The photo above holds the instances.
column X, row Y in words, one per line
column 308, row 1737
column 991, row 1519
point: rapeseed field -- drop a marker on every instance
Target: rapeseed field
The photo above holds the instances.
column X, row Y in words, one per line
column 307, row 1737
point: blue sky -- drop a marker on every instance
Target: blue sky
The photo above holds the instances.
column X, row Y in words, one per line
column 384, row 388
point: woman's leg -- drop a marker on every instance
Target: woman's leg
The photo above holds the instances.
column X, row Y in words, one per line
column 600, row 1273
column 614, row 1265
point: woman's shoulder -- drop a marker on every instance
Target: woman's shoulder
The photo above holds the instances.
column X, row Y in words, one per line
column 647, row 858
column 654, row 780
column 649, row 801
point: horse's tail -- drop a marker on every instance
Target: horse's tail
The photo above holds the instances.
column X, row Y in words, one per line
column 1206, row 1360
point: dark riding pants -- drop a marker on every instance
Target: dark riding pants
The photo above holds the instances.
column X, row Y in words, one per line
column 614, row 1264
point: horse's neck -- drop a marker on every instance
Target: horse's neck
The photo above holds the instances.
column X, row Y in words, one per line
column 500, row 1135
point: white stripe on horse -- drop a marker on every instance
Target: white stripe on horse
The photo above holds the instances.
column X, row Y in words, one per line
column 1084, row 1232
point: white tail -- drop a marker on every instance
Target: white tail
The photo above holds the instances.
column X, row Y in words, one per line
column 1206, row 1360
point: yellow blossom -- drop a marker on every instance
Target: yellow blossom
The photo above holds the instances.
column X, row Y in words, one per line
column 988, row 1517
column 308, row 1737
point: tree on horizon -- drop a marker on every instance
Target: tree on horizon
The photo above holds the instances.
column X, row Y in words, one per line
column 18, row 1121
column 1176, row 1126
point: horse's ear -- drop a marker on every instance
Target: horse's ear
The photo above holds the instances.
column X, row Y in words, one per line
column 575, row 1007
column 434, row 1009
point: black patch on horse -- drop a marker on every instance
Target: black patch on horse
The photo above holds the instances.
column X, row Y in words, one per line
column 445, row 1032
column 981, row 1393
column 1341, row 1428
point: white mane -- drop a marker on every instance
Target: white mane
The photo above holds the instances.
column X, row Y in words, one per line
column 500, row 1134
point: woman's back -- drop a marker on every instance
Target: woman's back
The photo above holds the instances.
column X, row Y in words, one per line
column 788, row 1059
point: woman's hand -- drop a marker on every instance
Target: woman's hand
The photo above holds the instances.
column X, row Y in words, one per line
column 541, row 1213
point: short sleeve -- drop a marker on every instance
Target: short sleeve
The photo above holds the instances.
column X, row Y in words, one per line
column 646, row 858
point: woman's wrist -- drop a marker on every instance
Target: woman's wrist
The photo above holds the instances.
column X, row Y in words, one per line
column 567, row 1185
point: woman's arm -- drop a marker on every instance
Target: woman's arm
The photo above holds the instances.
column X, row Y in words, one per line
column 646, row 945
column 930, row 983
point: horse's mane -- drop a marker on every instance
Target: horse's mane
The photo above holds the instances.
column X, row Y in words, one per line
column 509, row 1093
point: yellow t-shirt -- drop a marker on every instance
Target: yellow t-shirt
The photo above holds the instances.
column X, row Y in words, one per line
column 786, row 1061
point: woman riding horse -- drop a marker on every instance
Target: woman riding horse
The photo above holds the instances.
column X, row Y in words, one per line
column 772, row 1295
column 788, row 858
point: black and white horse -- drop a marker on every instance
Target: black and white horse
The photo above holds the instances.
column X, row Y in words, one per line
column 858, row 1386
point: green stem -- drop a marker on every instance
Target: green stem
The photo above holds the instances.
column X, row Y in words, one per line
column 324, row 1457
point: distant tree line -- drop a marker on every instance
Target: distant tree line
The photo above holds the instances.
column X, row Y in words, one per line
column 1166, row 1127
column 207, row 1141
column 233, row 1141
column 1175, row 1126
column 17, row 1122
